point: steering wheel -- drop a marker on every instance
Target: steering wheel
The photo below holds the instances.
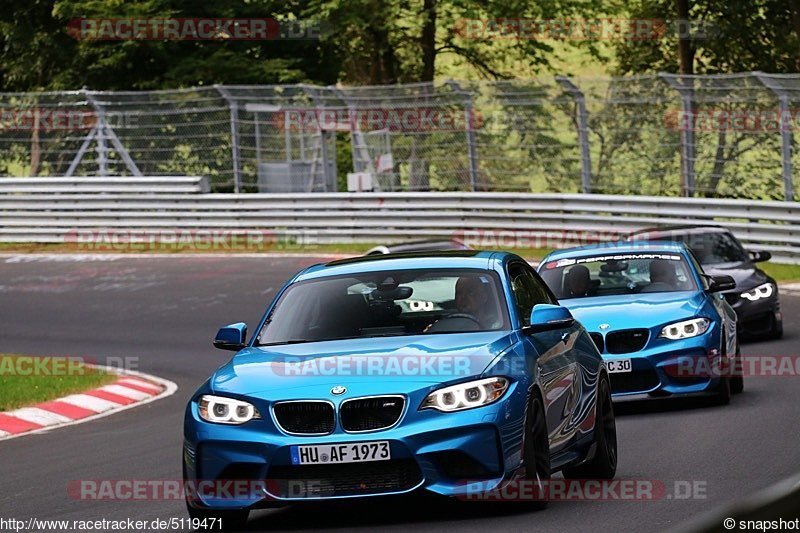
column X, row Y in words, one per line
column 465, row 316
column 455, row 322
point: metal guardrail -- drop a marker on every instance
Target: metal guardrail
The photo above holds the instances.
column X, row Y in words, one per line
column 484, row 220
column 136, row 184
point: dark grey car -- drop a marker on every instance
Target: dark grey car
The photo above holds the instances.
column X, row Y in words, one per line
column 755, row 298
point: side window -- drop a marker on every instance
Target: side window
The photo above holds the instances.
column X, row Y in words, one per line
column 699, row 269
column 528, row 291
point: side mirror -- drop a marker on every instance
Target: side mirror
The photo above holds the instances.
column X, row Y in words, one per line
column 231, row 337
column 546, row 317
column 721, row 283
column 759, row 256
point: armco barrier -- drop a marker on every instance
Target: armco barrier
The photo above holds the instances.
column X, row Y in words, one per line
column 94, row 184
column 491, row 220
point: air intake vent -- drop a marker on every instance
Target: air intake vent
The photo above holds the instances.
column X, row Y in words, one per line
column 369, row 414
column 305, row 417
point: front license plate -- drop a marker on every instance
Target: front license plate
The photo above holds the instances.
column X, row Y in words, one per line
column 616, row 366
column 354, row 452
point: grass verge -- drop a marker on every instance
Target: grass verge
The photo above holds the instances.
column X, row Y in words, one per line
column 27, row 380
column 781, row 272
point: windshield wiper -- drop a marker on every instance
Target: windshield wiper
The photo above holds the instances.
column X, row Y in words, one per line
column 290, row 341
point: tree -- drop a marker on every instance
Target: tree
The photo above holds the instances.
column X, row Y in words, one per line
column 725, row 36
column 397, row 41
column 39, row 53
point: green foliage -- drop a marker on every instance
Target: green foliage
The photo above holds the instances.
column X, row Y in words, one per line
column 39, row 53
column 727, row 36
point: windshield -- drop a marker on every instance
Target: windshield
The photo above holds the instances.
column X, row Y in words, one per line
column 712, row 248
column 618, row 274
column 387, row 303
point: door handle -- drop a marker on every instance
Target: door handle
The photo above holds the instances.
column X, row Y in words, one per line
column 565, row 337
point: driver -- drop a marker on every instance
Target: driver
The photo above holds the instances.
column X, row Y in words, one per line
column 662, row 271
column 578, row 282
column 472, row 297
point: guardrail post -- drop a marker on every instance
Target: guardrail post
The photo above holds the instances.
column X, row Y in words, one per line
column 786, row 132
column 685, row 89
column 469, row 118
column 234, row 107
column 582, row 126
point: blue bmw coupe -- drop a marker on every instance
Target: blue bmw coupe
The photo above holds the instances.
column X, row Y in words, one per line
column 661, row 323
column 445, row 372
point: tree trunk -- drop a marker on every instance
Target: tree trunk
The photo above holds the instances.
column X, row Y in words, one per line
column 794, row 6
column 685, row 48
column 719, row 164
column 428, row 40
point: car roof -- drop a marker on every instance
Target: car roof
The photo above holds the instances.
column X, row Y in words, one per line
column 627, row 247
column 408, row 260
column 687, row 229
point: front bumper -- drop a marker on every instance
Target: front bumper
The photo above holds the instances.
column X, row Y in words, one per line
column 756, row 318
column 432, row 451
column 665, row 368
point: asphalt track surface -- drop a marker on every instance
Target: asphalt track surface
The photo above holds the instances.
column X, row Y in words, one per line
column 165, row 311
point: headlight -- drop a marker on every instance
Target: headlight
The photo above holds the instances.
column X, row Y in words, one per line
column 764, row 290
column 226, row 410
column 466, row 395
column 685, row 329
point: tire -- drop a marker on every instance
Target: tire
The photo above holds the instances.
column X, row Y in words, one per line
column 737, row 379
column 776, row 332
column 536, row 451
column 604, row 463
column 229, row 520
column 723, row 395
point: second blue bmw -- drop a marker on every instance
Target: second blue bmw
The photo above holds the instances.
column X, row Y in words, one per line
column 447, row 373
column 662, row 324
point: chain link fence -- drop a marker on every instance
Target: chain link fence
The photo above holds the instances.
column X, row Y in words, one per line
column 721, row 136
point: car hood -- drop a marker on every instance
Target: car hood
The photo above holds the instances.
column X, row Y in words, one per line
column 369, row 365
column 635, row 310
column 747, row 276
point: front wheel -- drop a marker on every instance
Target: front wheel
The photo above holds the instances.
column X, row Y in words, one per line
column 776, row 331
column 536, row 452
column 723, row 395
column 737, row 379
column 604, row 463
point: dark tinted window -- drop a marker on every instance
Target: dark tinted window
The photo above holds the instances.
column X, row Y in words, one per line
column 387, row 303
column 606, row 275
column 528, row 291
column 710, row 248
